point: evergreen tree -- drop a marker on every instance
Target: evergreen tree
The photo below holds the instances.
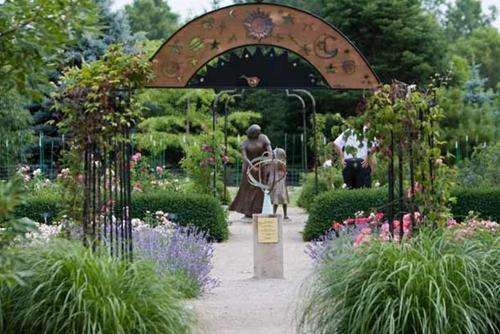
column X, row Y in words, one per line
column 399, row 38
column 153, row 17
column 470, row 113
column 112, row 27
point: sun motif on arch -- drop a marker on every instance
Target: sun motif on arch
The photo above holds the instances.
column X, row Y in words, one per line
column 259, row 24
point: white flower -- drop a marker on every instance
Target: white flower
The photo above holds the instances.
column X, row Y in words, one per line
column 328, row 163
column 37, row 172
column 377, row 184
column 344, row 186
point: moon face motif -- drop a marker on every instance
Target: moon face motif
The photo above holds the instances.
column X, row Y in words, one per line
column 349, row 66
column 171, row 69
column 325, row 46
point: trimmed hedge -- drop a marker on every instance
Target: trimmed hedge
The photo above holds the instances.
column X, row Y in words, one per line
column 190, row 209
column 41, row 207
column 337, row 205
column 202, row 211
column 483, row 201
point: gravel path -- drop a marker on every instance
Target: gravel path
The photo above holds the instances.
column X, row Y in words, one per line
column 243, row 305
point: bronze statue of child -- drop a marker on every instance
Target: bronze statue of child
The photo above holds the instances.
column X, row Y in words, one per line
column 277, row 178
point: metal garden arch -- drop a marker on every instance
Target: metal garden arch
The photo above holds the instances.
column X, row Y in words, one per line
column 214, row 51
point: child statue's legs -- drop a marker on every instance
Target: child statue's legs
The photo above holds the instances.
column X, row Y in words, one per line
column 285, row 209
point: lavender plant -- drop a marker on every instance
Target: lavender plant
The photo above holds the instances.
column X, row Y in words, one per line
column 182, row 251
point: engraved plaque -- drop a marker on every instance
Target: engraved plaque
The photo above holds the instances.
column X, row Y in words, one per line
column 267, row 229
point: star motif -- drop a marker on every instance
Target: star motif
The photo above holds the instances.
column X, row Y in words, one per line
column 308, row 26
column 306, row 49
column 215, row 44
column 331, row 69
column 289, row 19
column 194, row 61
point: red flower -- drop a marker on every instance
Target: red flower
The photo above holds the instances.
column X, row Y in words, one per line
column 337, row 226
column 207, row 148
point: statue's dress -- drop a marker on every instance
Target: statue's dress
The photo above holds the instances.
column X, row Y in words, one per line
column 279, row 194
column 249, row 198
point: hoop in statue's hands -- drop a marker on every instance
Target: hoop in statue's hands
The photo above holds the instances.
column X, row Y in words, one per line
column 264, row 161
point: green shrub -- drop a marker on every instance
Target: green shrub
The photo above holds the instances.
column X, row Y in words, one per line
column 483, row 201
column 202, row 211
column 40, row 207
column 337, row 205
column 431, row 284
column 328, row 179
column 74, row 290
column 308, row 192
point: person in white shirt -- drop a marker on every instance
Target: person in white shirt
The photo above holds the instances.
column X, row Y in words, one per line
column 356, row 158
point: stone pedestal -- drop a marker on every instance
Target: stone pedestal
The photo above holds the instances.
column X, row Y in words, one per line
column 267, row 246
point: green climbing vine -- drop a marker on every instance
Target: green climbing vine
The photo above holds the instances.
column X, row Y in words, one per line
column 400, row 117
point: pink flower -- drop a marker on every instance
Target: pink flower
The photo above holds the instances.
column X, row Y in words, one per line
column 379, row 216
column 366, row 231
column 451, row 222
column 384, row 232
column 225, row 159
column 417, row 187
column 136, row 157
column 362, row 220
column 159, row 170
column 396, row 224
column 349, row 221
column 137, row 186
column 359, row 239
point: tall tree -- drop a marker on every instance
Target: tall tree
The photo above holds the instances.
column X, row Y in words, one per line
column 313, row 6
column 482, row 47
column 464, row 16
column 112, row 27
column 33, row 33
column 400, row 39
column 470, row 112
column 154, row 17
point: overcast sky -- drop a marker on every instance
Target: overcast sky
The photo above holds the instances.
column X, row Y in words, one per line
column 191, row 8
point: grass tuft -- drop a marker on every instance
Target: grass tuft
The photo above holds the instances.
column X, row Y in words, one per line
column 431, row 284
column 72, row 290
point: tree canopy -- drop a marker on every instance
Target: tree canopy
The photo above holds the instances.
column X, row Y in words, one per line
column 153, row 17
column 34, row 34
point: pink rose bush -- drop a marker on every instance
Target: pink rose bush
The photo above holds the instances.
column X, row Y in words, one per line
column 362, row 230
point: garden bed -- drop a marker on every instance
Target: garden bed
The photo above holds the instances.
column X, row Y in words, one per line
column 201, row 211
column 337, row 205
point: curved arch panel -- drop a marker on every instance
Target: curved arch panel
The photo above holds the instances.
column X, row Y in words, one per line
column 213, row 34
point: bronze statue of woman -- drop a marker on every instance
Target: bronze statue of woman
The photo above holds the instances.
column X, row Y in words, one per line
column 249, row 198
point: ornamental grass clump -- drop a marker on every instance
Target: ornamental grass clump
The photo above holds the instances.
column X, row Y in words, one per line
column 74, row 290
column 437, row 282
